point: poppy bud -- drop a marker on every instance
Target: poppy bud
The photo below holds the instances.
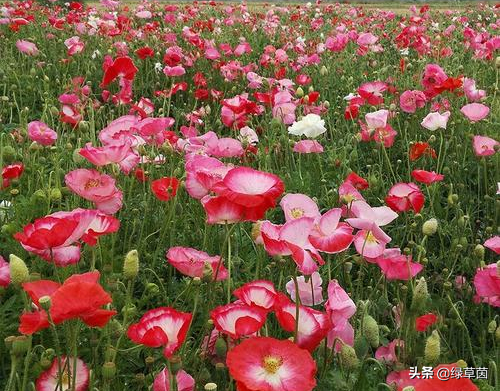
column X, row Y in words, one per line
column 306, row 99
column 131, row 265
column 207, row 272
column 323, row 71
column 370, row 331
column 497, row 334
column 152, row 288
column 492, row 326
column 326, row 104
column 409, row 388
column 55, row 194
column 430, row 227
column 8, row 154
column 130, row 310
column 149, row 360
column 83, row 126
column 45, row 302
column 54, row 111
column 108, row 370
column 348, row 357
column 361, row 346
column 420, row 294
column 220, row 366
column 299, row 92
column 19, row 272
column 479, row 252
column 497, row 62
column 432, row 349
column 210, row 387
column 175, row 364
column 39, row 196
column 220, row 347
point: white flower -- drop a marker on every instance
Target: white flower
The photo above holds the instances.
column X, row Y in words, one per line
column 95, row 53
column 310, row 126
column 404, row 52
column 159, row 67
column 5, row 208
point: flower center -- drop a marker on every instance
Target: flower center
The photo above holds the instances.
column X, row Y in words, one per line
column 92, row 183
column 370, row 238
column 272, row 364
column 296, row 213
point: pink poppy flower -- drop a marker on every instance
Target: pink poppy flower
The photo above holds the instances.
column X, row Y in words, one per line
column 27, row 47
column 260, row 293
column 298, row 205
column 339, row 308
column 426, row 177
column 403, row 197
column 377, row 128
column 484, row 146
column 493, row 244
column 367, row 39
column 202, row 172
column 308, row 146
column 475, row 111
column 487, row 284
column 410, row 101
column 238, row 320
column 330, row 235
column 313, row 325
column 255, row 191
column 184, row 381
column 193, row 263
column 74, row 45
column 144, row 14
column 163, row 326
column 433, row 76
column 380, row 215
column 121, row 154
column 248, row 136
column 435, row 120
column 41, row 133
column 4, row 272
column 310, row 290
column 225, row 147
column 397, row 266
column 388, row 353
column 471, row 92
column 49, row 379
column 348, row 193
column 220, row 210
column 177, row 70
column 372, row 92
column 96, row 187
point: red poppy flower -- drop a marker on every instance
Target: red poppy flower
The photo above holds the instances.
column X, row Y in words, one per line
column 262, row 363
column 165, row 188
column 145, row 52
column 419, row 149
column 422, row 323
column 426, row 177
column 12, row 171
column 79, row 297
column 162, row 326
column 358, row 182
column 122, row 67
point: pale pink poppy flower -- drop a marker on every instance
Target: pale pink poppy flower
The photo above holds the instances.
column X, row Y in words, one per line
column 487, row 284
column 41, row 133
column 471, row 92
column 372, row 92
column 348, row 193
column 145, row 14
column 460, row 281
column 310, row 290
column 202, row 172
column 192, row 262
column 397, row 266
column 388, row 353
column 110, row 4
column 380, row 216
column 484, row 146
column 27, row 47
column 177, row 70
column 74, row 45
column 212, row 53
column 4, row 272
column 225, row 147
column 299, row 205
column 367, row 39
column 475, row 111
column 96, row 187
column 340, row 334
column 339, row 308
column 436, row 120
column 308, row 146
column 121, row 154
column 248, row 136
column 184, row 381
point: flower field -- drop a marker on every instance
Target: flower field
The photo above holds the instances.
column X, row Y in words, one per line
column 215, row 196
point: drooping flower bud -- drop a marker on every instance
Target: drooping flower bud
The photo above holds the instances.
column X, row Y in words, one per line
column 430, row 227
column 19, row 272
column 420, row 294
column 348, row 357
column 131, row 265
column 432, row 349
column 370, row 331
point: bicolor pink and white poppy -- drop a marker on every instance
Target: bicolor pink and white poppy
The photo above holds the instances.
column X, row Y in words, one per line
column 183, row 380
column 49, row 379
column 329, row 235
column 238, row 319
column 193, row 263
column 260, row 293
column 403, row 197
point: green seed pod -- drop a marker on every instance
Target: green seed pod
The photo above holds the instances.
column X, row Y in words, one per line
column 348, row 358
column 432, row 348
column 420, row 294
column 19, row 272
column 8, row 154
column 55, row 195
column 108, row 370
column 131, row 265
column 370, row 331
column 20, row 345
column 175, row 364
column 479, row 252
column 8, row 341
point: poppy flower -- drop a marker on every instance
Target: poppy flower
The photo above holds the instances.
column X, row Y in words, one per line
column 193, row 263
column 220, row 210
column 119, row 153
column 419, row 149
column 256, row 191
column 12, row 171
column 260, row 293
column 484, row 146
column 372, row 92
column 96, row 187
column 27, row 47
column 313, row 325
column 299, row 205
column 357, row 181
column 436, row 120
column 122, row 67
column 49, row 379
column 471, row 92
column 403, row 197
column 165, row 188
column 330, row 235
column 308, row 146
column 275, row 366
column 410, row 101
column 422, row 323
column 310, row 290
column 493, row 244
column 145, row 52
column 184, row 381
column 4, row 272
column 41, row 133
column 79, row 297
column 447, row 383
column 487, row 284
column 388, row 353
column 238, row 320
column 163, row 326
column 427, row 177
column 475, row 111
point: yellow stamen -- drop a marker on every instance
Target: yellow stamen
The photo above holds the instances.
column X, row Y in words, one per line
column 272, row 364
